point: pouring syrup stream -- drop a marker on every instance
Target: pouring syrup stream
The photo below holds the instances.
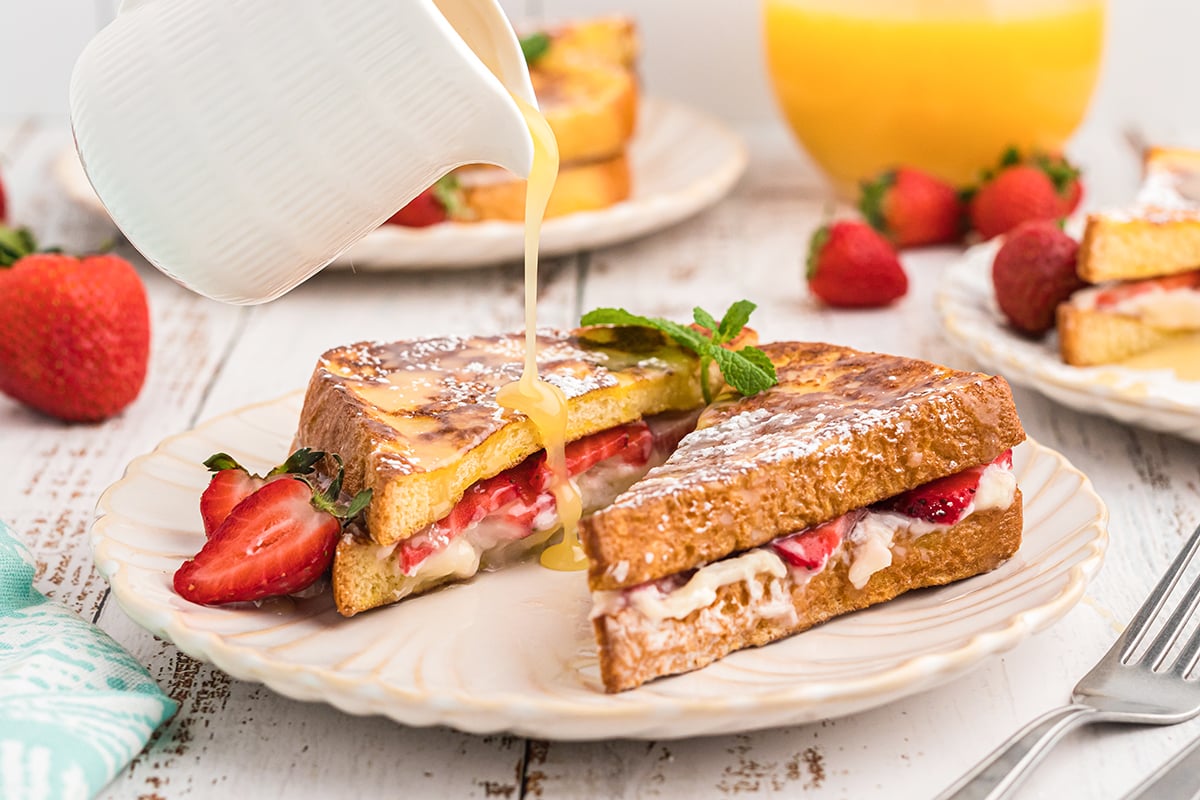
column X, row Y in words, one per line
column 543, row 403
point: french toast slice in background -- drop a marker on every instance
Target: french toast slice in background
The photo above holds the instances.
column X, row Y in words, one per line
column 418, row 423
column 1087, row 337
column 493, row 193
column 587, row 88
column 1160, row 235
column 588, row 92
column 842, row 429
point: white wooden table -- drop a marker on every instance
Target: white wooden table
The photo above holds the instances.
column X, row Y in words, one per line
column 236, row 739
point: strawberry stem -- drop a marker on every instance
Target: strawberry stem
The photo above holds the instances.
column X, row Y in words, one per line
column 15, row 244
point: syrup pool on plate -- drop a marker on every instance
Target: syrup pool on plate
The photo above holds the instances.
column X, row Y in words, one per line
column 542, row 402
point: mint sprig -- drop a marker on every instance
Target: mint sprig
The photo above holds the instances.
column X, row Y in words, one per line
column 748, row 370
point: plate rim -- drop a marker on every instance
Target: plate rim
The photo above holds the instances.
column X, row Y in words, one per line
column 524, row 713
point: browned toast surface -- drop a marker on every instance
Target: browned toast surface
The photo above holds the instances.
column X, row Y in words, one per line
column 418, row 422
column 843, row 429
column 634, row 649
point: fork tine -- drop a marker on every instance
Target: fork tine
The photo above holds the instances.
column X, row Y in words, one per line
column 1136, row 629
column 1189, row 656
column 1157, row 652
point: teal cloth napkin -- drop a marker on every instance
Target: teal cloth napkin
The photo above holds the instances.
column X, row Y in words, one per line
column 75, row 707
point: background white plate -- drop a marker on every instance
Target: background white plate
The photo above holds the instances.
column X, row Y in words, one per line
column 682, row 162
column 1154, row 399
column 513, row 650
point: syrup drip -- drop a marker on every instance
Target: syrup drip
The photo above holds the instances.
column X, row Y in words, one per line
column 543, row 403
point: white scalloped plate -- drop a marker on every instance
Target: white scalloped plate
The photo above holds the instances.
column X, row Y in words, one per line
column 682, row 162
column 1154, row 399
column 513, row 650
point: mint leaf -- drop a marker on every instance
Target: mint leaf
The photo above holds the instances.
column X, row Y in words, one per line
column 734, row 320
column 705, row 319
column 691, row 339
column 534, row 46
column 747, row 372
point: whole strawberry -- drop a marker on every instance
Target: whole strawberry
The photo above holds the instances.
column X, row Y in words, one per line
column 1016, row 194
column 852, row 266
column 912, row 208
column 1033, row 272
column 1066, row 179
column 74, row 332
column 3, row 204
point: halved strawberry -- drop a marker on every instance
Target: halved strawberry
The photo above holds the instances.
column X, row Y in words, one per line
column 943, row 501
column 233, row 483
column 277, row 541
column 811, row 547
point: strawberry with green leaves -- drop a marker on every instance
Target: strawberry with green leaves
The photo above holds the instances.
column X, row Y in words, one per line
column 74, row 332
column 851, row 266
column 1040, row 187
column 278, row 540
column 913, row 208
column 232, row 483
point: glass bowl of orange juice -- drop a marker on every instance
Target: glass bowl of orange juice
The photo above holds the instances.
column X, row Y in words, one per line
column 945, row 85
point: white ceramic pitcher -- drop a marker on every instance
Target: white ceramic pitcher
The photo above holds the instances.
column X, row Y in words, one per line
column 241, row 145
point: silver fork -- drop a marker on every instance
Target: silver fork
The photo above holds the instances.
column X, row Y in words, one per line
column 1144, row 690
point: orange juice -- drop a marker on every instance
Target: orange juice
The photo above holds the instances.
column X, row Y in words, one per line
column 945, row 85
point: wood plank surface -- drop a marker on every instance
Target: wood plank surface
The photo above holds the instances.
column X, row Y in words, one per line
column 235, row 737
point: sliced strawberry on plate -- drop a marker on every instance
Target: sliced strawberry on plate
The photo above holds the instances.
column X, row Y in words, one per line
column 232, row 483
column 811, row 547
column 279, row 540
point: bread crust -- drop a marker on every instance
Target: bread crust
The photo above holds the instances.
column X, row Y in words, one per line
column 1087, row 337
column 634, row 649
column 1149, row 243
column 842, row 430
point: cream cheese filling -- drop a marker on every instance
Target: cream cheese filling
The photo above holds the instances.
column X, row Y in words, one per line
column 869, row 547
column 1165, row 309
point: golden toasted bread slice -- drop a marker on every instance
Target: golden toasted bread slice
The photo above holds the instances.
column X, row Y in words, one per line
column 491, row 193
column 587, row 89
column 418, row 422
column 770, row 601
column 1160, row 235
column 842, row 429
column 591, row 108
column 605, row 40
column 1088, row 337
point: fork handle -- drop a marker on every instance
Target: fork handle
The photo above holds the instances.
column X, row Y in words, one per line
column 999, row 773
